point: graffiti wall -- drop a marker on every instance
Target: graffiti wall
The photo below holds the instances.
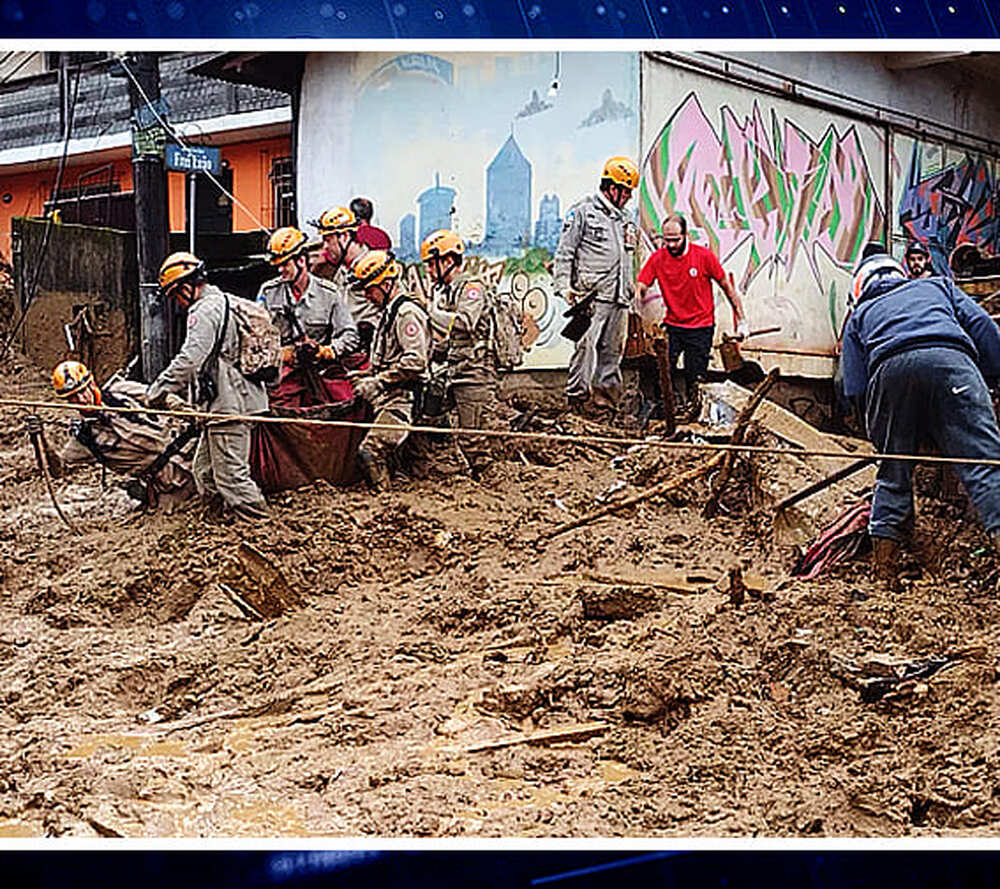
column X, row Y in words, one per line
column 946, row 198
column 497, row 146
column 786, row 195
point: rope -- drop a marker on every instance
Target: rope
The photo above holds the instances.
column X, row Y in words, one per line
column 566, row 438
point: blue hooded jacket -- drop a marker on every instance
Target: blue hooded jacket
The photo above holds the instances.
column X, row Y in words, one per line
column 912, row 315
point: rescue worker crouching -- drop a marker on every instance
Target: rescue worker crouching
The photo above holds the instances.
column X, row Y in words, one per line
column 916, row 356
column 398, row 362
column 339, row 227
column 312, row 317
column 461, row 322
column 593, row 260
column 208, row 359
column 126, row 443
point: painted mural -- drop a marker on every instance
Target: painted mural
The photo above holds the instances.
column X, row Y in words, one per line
column 946, row 199
column 787, row 206
column 495, row 146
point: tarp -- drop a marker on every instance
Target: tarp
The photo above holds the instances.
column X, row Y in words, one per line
column 288, row 456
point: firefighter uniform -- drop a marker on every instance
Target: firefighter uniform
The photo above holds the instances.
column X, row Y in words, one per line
column 321, row 314
column 461, row 320
column 127, row 443
column 222, row 459
column 399, row 367
column 594, row 257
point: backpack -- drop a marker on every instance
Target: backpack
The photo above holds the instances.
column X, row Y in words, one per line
column 506, row 330
column 259, row 356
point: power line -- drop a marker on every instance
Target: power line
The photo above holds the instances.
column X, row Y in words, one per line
column 180, row 141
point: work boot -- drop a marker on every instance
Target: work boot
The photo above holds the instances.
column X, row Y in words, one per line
column 252, row 512
column 578, row 404
column 885, row 553
column 693, row 408
column 373, row 470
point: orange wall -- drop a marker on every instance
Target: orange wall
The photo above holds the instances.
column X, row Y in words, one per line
column 29, row 191
column 250, row 162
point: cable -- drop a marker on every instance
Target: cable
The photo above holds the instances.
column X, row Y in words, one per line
column 180, row 141
column 500, row 433
column 40, row 258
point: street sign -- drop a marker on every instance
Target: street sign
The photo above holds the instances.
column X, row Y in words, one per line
column 148, row 140
column 194, row 158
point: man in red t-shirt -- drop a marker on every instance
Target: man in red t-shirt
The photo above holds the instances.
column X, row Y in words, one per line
column 685, row 273
column 370, row 235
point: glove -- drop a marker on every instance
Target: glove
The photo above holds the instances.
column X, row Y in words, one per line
column 33, row 425
column 157, row 401
column 174, row 402
column 571, row 296
column 288, row 355
column 743, row 329
column 368, row 388
column 326, row 353
column 305, row 352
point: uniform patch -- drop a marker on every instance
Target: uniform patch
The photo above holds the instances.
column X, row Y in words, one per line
column 473, row 293
column 192, row 320
column 693, row 272
column 411, row 329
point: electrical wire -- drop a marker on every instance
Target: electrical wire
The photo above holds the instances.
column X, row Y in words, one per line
column 43, row 249
column 566, row 438
column 180, row 141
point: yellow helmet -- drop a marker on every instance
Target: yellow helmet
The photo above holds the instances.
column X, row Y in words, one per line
column 374, row 267
column 336, row 219
column 69, row 377
column 621, row 171
column 178, row 267
column 285, row 243
column 439, row 243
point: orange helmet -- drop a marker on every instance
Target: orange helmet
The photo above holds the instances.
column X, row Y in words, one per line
column 336, row 219
column 69, row 377
column 621, row 171
column 284, row 244
column 178, row 267
column 373, row 268
column 439, row 243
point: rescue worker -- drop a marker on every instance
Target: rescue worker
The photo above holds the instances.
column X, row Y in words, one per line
column 594, row 259
column 338, row 227
column 208, row 358
column 918, row 261
column 310, row 313
column 915, row 355
column 398, row 361
column 460, row 320
column 125, row 443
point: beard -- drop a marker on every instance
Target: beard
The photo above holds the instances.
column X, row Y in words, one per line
column 678, row 250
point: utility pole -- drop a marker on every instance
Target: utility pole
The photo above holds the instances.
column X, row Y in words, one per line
column 149, row 178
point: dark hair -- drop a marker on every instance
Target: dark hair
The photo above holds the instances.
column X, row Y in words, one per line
column 680, row 220
column 871, row 248
column 362, row 208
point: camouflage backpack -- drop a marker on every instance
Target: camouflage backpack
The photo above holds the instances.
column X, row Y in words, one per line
column 260, row 342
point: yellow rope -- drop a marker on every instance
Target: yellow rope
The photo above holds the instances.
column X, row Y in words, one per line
column 620, row 442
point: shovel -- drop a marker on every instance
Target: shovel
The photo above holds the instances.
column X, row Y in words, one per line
column 737, row 368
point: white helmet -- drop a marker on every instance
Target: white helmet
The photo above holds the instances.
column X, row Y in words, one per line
column 877, row 267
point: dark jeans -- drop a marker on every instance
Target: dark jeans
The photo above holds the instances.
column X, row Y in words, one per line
column 695, row 343
column 935, row 395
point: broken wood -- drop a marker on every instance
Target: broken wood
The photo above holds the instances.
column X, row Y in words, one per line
column 260, row 583
column 665, row 487
column 662, row 349
column 672, row 585
column 579, row 732
column 240, row 602
column 739, row 433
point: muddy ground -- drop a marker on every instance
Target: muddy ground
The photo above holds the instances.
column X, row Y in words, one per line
column 137, row 699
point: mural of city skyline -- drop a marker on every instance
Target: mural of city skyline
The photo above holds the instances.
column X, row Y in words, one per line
column 508, row 211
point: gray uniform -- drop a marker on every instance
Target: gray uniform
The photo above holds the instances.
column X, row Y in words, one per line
column 321, row 314
column 364, row 312
column 222, row 460
column 593, row 258
column 459, row 316
column 128, row 443
column 399, row 361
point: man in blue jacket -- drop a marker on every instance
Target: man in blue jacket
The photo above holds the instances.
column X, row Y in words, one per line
column 915, row 355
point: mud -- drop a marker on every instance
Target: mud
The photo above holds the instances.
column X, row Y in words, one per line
column 137, row 699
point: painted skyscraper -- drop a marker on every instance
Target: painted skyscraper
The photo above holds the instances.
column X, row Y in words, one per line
column 407, row 250
column 548, row 225
column 508, row 201
column 435, row 207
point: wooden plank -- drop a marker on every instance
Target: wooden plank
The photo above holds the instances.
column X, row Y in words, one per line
column 579, row 732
